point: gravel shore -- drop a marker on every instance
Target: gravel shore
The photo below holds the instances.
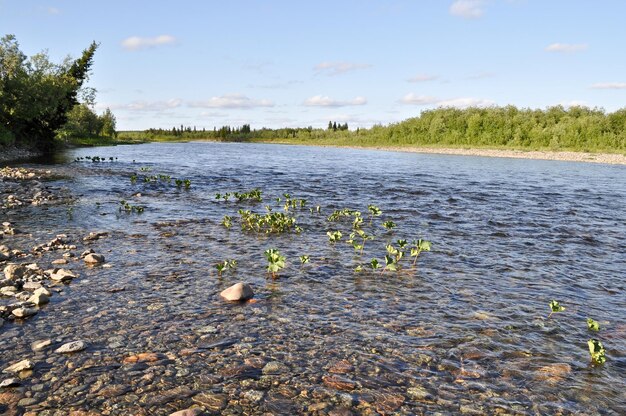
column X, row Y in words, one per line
column 608, row 158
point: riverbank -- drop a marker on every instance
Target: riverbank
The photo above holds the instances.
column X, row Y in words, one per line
column 14, row 154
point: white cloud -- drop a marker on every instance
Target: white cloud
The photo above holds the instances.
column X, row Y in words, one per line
column 418, row 99
column 462, row 102
column 135, row 43
column 609, row 86
column 422, row 78
column 325, row 101
column 238, row 101
column 573, row 103
column 567, row 47
column 144, row 106
column 336, row 68
column 468, row 9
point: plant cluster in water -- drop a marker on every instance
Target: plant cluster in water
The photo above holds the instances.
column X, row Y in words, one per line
column 95, row 159
column 126, row 207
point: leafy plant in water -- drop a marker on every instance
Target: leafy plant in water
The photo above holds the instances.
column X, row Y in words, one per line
column 126, row 207
column 133, row 178
column 334, row 236
column 555, row 307
column 275, row 261
column 593, row 325
column 374, row 264
column 229, row 264
column 389, row 225
column 227, row 221
column 419, row 246
column 596, row 350
column 374, row 212
column 304, row 259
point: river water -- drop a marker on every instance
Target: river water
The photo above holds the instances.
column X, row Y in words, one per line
column 466, row 331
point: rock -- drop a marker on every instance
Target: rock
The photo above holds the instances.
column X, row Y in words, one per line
column 87, row 252
column 553, row 373
column 254, row 396
column 275, row 367
column 144, row 357
column 24, row 312
column 95, row 236
column 40, row 345
column 10, row 382
column 59, row 261
column 70, row 347
column 42, row 291
column 8, row 291
column 20, row 366
column 14, row 271
column 62, row 275
column 213, row 402
column 238, row 292
column 419, row 394
column 339, row 383
column 341, row 367
column 194, row 411
column 94, row 258
column 31, row 286
column 39, row 299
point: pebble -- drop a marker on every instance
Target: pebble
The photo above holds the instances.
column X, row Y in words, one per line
column 24, row 312
column 238, row 292
column 70, row 347
column 14, row 271
column 10, row 382
column 19, row 366
column 39, row 299
column 194, row 411
column 59, row 261
column 62, row 275
column 275, row 367
column 40, row 345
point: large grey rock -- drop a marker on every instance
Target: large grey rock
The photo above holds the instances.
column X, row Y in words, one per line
column 14, row 271
column 40, row 345
column 31, row 286
column 238, row 292
column 93, row 258
column 70, row 347
column 24, row 312
column 10, row 382
column 62, row 275
column 19, row 366
column 39, row 298
column 42, row 291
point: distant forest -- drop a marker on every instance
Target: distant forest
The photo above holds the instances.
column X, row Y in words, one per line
column 555, row 128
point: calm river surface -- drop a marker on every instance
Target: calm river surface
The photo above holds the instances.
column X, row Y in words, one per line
column 466, row 331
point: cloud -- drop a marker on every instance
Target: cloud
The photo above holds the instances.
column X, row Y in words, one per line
column 236, row 101
column 135, row 43
column 324, row 101
column 337, row 68
column 53, row 10
column 609, row 86
column 567, row 47
column 462, row 102
column 468, row 9
column 423, row 78
column 573, row 103
column 145, row 106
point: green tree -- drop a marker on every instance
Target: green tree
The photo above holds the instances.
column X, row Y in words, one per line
column 36, row 94
column 108, row 124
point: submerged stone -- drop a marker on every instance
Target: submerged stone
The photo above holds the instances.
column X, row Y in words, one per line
column 238, row 292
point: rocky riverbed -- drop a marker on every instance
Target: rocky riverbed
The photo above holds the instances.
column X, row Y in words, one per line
column 134, row 323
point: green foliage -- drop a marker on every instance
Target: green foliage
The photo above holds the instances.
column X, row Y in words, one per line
column 304, row 259
column 275, row 261
column 83, row 122
column 419, row 246
column 555, row 307
column 126, row 207
column 390, row 225
column 596, row 350
column 334, row 236
column 593, row 325
column 37, row 95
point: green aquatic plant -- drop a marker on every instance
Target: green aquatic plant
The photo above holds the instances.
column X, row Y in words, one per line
column 374, row 212
column 389, row 225
column 304, row 259
column 390, row 264
column 227, row 221
column 221, row 267
column 419, row 246
column 593, row 325
column 555, row 307
column 596, row 350
column 275, row 262
column 334, row 236
column 126, row 207
column 133, row 178
column 374, row 264
column 145, row 169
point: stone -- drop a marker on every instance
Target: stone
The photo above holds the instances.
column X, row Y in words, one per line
column 213, row 402
column 59, row 261
column 24, row 312
column 40, row 345
column 194, row 411
column 144, row 357
column 62, row 275
column 14, row 271
column 19, row 366
column 238, row 292
column 341, row 367
column 71, row 347
column 42, row 291
column 339, row 383
column 419, row 394
column 31, row 286
column 94, row 258
column 10, row 382
column 8, row 291
column 275, row 367
column 39, row 299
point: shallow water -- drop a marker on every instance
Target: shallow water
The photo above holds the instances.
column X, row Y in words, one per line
column 464, row 332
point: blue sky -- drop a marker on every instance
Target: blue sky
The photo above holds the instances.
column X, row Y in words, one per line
column 288, row 63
